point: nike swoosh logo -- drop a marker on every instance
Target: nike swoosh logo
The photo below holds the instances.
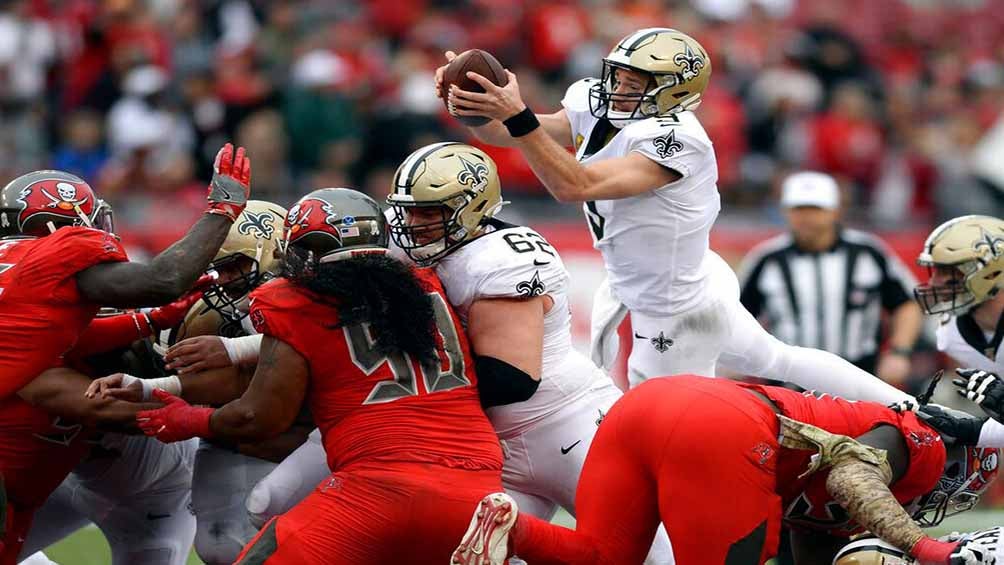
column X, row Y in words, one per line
column 639, row 336
column 150, row 516
column 539, row 263
column 565, row 450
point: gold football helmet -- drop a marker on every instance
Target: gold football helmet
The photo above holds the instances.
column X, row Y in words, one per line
column 677, row 66
column 246, row 258
column 871, row 551
column 444, row 194
column 973, row 247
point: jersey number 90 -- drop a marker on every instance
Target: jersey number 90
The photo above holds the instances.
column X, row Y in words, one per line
column 368, row 359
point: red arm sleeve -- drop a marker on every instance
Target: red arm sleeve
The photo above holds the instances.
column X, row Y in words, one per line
column 106, row 334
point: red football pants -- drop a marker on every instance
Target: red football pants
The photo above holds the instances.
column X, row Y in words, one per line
column 401, row 513
column 697, row 455
column 17, row 524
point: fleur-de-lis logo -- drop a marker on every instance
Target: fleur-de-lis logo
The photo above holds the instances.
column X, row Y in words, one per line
column 262, row 223
column 661, row 343
column 667, row 145
column 691, row 62
column 989, row 246
column 532, row 287
column 474, row 175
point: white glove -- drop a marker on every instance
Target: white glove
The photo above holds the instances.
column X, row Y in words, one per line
column 985, row 547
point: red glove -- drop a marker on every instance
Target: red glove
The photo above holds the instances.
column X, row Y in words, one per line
column 231, row 185
column 177, row 420
column 172, row 314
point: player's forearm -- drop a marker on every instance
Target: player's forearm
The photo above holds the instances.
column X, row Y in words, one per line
column 165, row 278
column 562, row 175
column 862, row 489
column 214, row 387
column 493, row 133
column 905, row 326
column 240, row 421
column 60, row 392
column 107, row 334
column 277, row 448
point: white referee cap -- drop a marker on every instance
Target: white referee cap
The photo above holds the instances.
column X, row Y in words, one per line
column 809, row 188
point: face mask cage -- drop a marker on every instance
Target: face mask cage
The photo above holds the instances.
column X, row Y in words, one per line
column 952, row 496
column 603, row 96
column 953, row 296
column 225, row 298
column 427, row 242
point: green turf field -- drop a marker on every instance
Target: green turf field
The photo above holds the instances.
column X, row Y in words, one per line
column 88, row 546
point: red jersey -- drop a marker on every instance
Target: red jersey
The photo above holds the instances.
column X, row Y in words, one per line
column 806, row 503
column 43, row 314
column 371, row 407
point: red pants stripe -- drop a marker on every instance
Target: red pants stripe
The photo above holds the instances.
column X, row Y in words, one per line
column 699, row 456
column 401, row 513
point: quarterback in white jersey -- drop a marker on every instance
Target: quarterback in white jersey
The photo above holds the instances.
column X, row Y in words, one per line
column 646, row 172
column 965, row 259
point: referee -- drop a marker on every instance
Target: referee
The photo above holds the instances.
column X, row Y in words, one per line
column 825, row 286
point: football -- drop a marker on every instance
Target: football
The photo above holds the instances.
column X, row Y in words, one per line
column 478, row 61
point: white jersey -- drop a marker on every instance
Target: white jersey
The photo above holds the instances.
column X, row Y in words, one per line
column 960, row 338
column 511, row 262
column 653, row 244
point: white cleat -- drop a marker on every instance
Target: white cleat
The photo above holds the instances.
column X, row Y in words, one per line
column 486, row 541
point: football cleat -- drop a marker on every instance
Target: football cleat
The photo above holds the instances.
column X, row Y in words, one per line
column 486, row 541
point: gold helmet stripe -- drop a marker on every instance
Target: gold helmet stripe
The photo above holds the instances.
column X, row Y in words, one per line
column 407, row 170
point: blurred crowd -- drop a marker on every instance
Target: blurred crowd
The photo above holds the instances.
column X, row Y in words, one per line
column 901, row 99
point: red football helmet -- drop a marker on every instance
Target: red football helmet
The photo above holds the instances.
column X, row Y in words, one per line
column 38, row 203
column 331, row 224
column 968, row 473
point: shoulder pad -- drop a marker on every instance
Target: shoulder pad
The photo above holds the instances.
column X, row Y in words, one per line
column 514, row 262
column 577, row 95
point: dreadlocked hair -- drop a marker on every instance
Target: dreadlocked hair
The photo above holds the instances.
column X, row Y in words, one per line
column 384, row 293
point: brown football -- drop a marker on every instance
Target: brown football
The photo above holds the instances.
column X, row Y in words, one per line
column 477, row 61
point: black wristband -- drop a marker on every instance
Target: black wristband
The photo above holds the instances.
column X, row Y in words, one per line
column 522, row 123
column 901, row 351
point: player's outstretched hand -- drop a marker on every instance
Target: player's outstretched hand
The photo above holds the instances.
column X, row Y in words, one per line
column 450, row 55
column 983, row 388
column 231, row 185
column 119, row 386
column 176, row 421
column 496, row 102
column 955, row 426
column 197, row 354
column 908, row 405
column 985, row 547
column 170, row 315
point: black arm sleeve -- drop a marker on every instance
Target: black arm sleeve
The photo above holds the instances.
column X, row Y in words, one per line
column 500, row 383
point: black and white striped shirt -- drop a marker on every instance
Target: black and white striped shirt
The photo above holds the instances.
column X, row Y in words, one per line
column 831, row 300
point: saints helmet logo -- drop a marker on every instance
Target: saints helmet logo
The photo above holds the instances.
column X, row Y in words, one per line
column 532, row 287
column 691, row 62
column 667, row 145
column 989, row 246
column 261, row 224
column 474, row 175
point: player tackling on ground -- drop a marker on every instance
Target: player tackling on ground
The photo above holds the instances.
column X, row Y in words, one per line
column 721, row 464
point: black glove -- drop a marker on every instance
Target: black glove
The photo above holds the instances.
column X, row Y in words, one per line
column 983, row 388
column 955, row 426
